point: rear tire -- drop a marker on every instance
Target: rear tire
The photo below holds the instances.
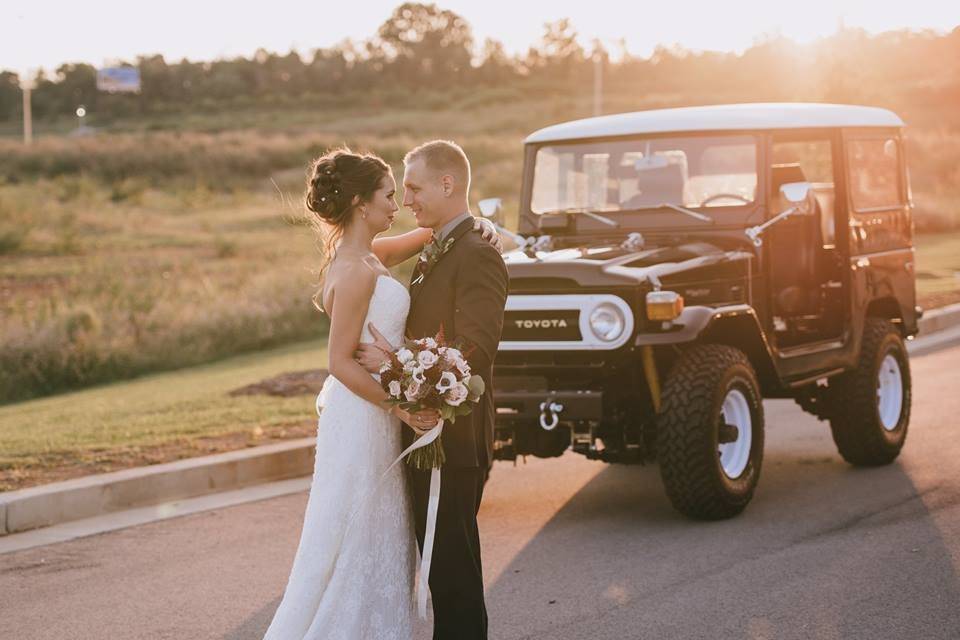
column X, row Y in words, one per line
column 703, row 478
column 870, row 406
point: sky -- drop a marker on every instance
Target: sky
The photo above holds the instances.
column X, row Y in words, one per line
column 46, row 33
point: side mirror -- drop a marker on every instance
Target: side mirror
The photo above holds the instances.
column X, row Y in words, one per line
column 800, row 197
column 491, row 208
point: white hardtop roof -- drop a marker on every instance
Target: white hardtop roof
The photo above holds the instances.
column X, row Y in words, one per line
column 722, row 117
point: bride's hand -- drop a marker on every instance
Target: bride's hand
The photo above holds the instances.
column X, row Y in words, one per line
column 420, row 421
column 373, row 355
column 488, row 232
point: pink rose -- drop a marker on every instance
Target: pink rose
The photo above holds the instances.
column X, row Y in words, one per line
column 456, row 395
column 427, row 359
column 413, row 391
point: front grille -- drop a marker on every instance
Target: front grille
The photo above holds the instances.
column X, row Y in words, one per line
column 535, row 325
column 558, row 321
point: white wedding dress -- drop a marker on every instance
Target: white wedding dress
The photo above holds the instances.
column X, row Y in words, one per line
column 358, row 582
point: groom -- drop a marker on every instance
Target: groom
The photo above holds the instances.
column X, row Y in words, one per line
column 463, row 287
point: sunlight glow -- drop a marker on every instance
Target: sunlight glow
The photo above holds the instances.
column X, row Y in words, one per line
column 45, row 34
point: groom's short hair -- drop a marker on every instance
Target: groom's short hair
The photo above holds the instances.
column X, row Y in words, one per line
column 445, row 157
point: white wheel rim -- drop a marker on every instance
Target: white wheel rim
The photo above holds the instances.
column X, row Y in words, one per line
column 735, row 455
column 889, row 393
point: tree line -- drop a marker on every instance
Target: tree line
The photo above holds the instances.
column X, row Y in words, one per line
column 422, row 46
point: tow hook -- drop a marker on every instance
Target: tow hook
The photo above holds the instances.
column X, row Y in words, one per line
column 550, row 414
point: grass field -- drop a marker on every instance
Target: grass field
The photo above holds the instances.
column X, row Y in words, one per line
column 155, row 418
column 176, row 242
column 134, row 252
column 938, row 267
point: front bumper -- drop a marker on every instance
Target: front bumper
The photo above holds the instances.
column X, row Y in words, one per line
column 532, row 406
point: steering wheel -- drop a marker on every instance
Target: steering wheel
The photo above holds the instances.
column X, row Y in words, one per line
column 717, row 196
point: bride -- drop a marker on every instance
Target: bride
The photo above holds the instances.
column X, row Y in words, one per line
column 353, row 573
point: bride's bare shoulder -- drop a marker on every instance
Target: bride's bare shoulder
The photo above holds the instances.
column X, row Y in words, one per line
column 356, row 277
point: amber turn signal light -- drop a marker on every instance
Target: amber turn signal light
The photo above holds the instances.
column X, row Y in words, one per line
column 664, row 305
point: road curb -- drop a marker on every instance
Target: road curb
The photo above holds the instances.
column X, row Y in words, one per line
column 934, row 320
column 94, row 495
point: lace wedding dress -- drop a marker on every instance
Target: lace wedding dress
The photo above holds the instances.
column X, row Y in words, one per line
column 356, row 582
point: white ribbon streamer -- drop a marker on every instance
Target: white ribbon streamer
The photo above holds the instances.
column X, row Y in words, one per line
column 433, row 505
column 427, row 556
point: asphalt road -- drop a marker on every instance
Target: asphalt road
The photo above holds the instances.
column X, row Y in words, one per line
column 579, row 549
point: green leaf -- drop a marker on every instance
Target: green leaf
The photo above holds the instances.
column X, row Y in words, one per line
column 476, row 386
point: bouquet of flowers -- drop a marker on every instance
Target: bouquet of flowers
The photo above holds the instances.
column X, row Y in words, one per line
column 429, row 374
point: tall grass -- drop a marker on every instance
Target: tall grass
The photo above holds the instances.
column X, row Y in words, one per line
column 101, row 290
column 139, row 250
column 71, row 345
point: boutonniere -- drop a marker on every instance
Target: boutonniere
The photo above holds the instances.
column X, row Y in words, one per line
column 430, row 255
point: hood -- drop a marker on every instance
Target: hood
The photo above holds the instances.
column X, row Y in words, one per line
column 611, row 265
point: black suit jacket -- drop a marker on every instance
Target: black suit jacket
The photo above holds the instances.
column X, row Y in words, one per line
column 465, row 290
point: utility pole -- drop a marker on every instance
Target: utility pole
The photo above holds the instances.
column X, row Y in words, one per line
column 27, row 86
column 597, row 83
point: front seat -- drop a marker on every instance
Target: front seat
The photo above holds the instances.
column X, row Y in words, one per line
column 794, row 246
column 657, row 186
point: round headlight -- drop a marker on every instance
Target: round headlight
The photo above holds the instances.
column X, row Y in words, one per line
column 606, row 322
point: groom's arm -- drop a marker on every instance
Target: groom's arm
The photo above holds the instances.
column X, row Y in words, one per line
column 480, row 293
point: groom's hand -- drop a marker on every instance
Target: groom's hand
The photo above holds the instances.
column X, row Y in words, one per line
column 372, row 356
column 488, row 232
column 421, row 422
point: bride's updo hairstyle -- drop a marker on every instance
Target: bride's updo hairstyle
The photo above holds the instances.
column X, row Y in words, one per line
column 337, row 183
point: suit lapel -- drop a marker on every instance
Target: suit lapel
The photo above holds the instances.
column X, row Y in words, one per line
column 458, row 231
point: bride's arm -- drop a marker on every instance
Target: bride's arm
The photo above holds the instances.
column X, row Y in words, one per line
column 350, row 304
column 395, row 249
column 349, row 310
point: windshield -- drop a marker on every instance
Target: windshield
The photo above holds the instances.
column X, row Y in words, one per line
column 621, row 175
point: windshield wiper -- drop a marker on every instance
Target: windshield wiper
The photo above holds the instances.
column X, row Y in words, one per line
column 692, row 214
column 586, row 212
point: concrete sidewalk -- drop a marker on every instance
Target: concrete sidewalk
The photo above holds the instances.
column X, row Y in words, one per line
column 97, row 495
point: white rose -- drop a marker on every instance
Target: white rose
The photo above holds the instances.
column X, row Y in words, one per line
column 457, row 394
column 447, row 381
column 452, row 355
column 413, row 391
column 410, row 365
column 404, row 355
column 430, row 343
column 394, row 388
column 427, row 359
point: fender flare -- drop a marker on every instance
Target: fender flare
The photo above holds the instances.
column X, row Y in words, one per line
column 733, row 325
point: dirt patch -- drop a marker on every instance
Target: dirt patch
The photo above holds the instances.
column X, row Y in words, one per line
column 55, row 467
column 293, row 383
